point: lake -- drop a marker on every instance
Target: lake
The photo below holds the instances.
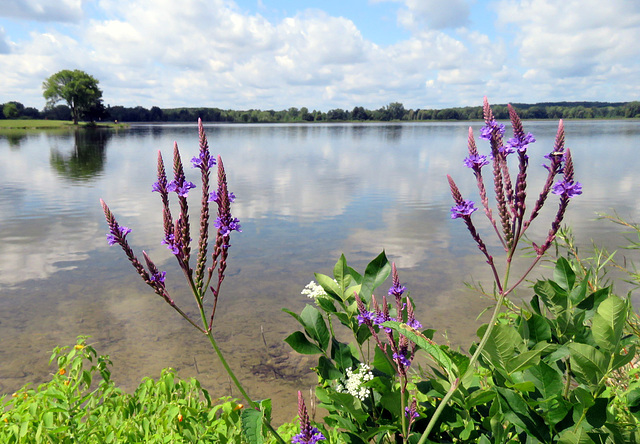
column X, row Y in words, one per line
column 305, row 194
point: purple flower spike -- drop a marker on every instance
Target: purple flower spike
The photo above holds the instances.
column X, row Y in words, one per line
column 181, row 190
column 158, row 277
column 114, row 237
column 491, row 127
column 401, row 357
column 520, row 143
column 567, row 189
column 464, row 208
column 308, row 434
column 199, row 161
column 366, row 317
column 476, row 161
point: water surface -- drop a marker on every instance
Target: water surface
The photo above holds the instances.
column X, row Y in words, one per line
column 305, row 194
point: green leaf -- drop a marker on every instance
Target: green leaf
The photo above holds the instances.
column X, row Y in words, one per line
column 622, row 360
column 587, row 362
column 563, row 274
column 341, row 273
column 341, row 354
column 578, row 436
column 538, row 329
column 501, row 345
column 329, row 286
column 381, row 362
column 523, row 361
column 434, row 350
column 608, row 323
column 546, row 379
column 375, row 274
column 299, row 342
column 479, row 397
column 252, row 425
column 327, row 370
column 315, row 326
column 515, row 410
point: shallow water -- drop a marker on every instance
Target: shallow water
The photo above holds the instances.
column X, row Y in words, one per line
column 306, row 194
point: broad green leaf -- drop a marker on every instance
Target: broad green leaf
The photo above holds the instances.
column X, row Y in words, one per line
column 608, row 323
column 587, row 362
column 252, row 425
column 381, row 362
column 563, row 274
column 329, row 286
column 299, row 342
column 578, row 436
column 341, row 354
column 501, row 345
column 433, row 349
column 538, row 329
column 523, row 361
column 479, row 397
column 622, row 360
column 315, row 326
column 518, row 412
column 341, row 273
column 375, row 274
column 548, row 380
column 327, row 370
column 579, row 293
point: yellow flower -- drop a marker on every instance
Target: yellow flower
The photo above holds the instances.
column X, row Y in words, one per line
column 238, row 407
column 79, row 347
column 62, row 371
column 179, row 417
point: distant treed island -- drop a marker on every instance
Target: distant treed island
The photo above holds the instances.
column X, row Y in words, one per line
column 392, row 112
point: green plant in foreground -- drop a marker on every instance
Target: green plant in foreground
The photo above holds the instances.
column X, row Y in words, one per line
column 81, row 404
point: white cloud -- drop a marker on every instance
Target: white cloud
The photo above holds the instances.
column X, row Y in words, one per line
column 212, row 53
column 43, row 10
column 579, row 42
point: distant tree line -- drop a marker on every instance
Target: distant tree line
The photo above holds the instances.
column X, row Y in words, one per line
column 392, row 112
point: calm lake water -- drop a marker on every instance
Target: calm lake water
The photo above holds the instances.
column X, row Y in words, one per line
column 305, row 194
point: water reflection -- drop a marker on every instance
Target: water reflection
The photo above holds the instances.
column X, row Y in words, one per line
column 86, row 157
column 306, row 194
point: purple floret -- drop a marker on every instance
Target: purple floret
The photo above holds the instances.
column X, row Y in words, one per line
column 463, row 209
column 567, row 188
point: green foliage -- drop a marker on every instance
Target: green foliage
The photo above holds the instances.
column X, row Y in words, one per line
column 550, row 373
column 81, row 404
column 78, row 89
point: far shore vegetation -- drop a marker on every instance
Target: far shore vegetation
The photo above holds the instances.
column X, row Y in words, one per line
column 16, row 115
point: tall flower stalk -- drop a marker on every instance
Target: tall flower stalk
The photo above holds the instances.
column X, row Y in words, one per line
column 512, row 222
column 207, row 276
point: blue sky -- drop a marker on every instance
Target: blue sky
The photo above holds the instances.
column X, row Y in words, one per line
column 323, row 54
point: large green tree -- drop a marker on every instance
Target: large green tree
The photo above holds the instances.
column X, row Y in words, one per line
column 77, row 88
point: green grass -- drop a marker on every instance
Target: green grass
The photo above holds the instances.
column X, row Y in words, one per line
column 49, row 124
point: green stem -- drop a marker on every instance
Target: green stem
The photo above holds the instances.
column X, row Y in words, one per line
column 438, row 411
column 241, row 389
column 470, row 368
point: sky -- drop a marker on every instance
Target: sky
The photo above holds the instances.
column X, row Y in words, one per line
column 324, row 54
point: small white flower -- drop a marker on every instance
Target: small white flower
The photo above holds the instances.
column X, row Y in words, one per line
column 353, row 383
column 313, row 290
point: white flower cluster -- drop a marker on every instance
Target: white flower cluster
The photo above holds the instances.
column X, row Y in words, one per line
column 313, row 290
column 355, row 378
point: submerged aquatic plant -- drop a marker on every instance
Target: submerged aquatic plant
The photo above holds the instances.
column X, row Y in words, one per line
column 202, row 278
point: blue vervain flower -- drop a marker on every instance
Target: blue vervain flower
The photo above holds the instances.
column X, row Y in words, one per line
column 117, row 234
column 308, row 434
column 567, row 188
column 464, row 208
column 476, row 161
column 181, row 190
